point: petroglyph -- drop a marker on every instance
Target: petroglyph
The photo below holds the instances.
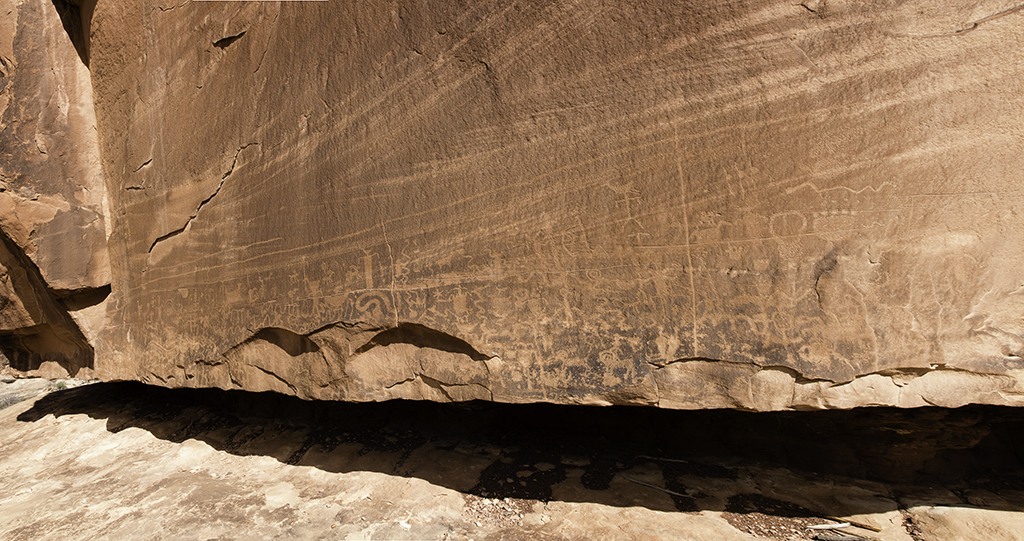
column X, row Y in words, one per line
column 538, row 202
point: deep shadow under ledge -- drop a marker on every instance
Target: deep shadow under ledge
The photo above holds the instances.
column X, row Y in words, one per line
column 576, row 453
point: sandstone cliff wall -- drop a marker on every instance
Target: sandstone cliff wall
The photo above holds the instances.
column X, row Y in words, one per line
column 758, row 205
column 54, row 263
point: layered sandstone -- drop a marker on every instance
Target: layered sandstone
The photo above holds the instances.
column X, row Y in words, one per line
column 54, row 263
column 759, row 205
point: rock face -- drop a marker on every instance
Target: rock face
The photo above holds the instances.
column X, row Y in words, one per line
column 759, row 205
column 54, row 263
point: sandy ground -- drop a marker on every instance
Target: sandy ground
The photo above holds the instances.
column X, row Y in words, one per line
column 121, row 461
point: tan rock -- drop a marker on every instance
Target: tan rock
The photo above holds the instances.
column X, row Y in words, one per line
column 968, row 524
column 37, row 335
column 758, row 205
column 53, row 200
column 53, row 205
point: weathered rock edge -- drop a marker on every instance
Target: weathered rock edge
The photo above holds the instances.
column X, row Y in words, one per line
column 358, row 362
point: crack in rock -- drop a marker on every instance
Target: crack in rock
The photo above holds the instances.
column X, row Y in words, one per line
column 277, row 377
column 202, row 203
column 195, row 213
column 690, row 383
column 266, row 47
column 223, row 43
column 144, row 164
column 970, row 26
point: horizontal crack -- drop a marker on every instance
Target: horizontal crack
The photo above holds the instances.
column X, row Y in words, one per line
column 800, row 378
column 397, row 383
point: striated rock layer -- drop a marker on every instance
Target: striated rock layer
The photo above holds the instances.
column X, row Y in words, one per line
column 759, row 205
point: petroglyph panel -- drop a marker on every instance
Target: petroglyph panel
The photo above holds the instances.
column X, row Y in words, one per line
column 608, row 202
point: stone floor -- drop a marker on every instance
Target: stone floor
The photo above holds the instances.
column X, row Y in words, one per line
column 126, row 461
column 14, row 390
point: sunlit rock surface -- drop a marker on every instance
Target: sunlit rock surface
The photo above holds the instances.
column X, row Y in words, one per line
column 54, row 262
column 757, row 205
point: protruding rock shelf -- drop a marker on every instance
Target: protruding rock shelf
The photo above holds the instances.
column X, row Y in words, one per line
column 759, row 205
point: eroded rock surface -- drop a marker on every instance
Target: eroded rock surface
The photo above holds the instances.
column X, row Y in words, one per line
column 54, row 262
column 758, row 205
